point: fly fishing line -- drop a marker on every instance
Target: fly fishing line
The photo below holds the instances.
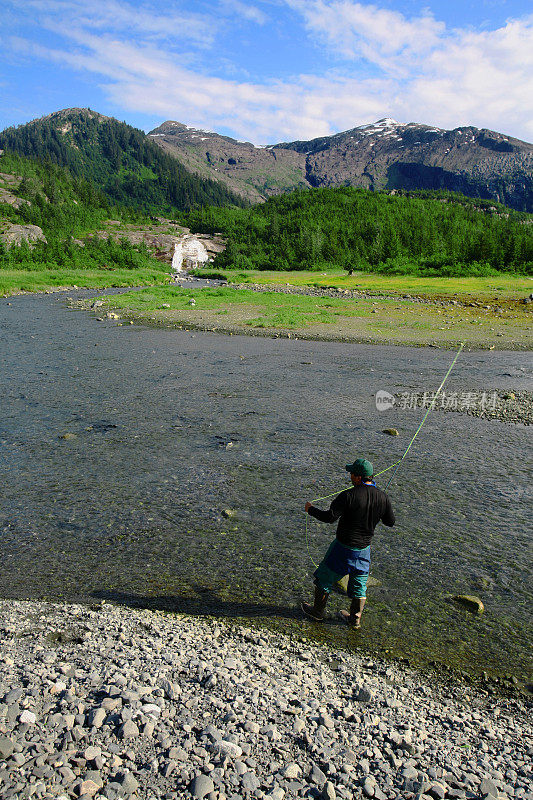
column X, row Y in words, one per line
column 397, row 464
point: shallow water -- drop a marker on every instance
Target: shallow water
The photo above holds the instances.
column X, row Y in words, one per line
column 174, row 428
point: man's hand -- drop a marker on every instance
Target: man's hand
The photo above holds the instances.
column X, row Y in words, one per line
column 308, row 506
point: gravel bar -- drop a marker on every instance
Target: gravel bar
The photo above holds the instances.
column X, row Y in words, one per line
column 513, row 407
column 112, row 702
column 355, row 294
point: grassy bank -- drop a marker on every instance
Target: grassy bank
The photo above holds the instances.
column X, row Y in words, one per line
column 385, row 320
column 501, row 287
column 15, row 281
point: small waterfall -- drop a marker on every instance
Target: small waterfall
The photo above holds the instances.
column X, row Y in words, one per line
column 177, row 258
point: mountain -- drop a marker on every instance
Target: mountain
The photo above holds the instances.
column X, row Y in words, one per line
column 120, row 160
column 385, row 155
column 253, row 172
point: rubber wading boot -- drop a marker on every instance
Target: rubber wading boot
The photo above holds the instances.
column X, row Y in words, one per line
column 353, row 616
column 316, row 611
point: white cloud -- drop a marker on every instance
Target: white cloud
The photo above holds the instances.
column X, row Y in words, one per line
column 244, row 11
column 422, row 72
column 144, row 79
column 357, row 30
column 448, row 77
column 484, row 79
column 121, row 16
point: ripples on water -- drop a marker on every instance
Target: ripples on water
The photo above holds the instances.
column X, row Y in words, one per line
column 173, row 429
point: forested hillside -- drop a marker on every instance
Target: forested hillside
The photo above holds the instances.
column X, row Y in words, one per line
column 429, row 233
column 117, row 158
column 67, row 209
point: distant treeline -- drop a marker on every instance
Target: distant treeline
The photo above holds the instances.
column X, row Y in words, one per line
column 105, row 254
column 426, row 233
column 129, row 168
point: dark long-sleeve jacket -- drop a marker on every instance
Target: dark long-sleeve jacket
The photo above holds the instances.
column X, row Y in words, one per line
column 358, row 510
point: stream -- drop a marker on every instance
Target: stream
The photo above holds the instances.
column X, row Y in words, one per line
column 188, row 458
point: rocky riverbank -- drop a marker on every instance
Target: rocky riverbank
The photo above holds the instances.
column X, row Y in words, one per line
column 514, row 407
column 499, row 306
column 108, row 702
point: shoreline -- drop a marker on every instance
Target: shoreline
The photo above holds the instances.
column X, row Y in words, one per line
column 104, row 701
column 214, row 326
column 406, row 328
column 211, row 322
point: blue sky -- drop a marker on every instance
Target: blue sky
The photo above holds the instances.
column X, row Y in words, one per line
column 271, row 70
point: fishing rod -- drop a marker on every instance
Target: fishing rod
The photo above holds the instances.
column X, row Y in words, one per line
column 397, row 464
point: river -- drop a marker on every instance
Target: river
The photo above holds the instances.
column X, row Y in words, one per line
column 189, row 457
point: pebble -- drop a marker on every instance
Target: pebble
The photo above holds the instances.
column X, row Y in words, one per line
column 317, row 776
column 365, row 694
column 410, row 773
column 488, row 787
column 6, row 748
column 291, row 771
column 437, row 790
column 201, row 786
column 171, row 690
column 128, row 782
column 227, row 749
column 128, row 730
column 281, row 720
column 88, row 788
column 326, row 721
column 97, row 717
column 328, row 792
column 13, row 696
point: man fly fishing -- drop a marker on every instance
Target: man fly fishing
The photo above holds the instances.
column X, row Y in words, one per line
column 358, row 510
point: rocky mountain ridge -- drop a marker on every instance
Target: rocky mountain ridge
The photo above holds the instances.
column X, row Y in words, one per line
column 254, row 172
column 385, row 155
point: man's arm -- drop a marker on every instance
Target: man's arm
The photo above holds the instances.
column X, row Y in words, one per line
column 333, row 512
column 388, row 517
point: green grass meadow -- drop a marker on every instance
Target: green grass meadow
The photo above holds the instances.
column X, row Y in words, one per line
column 267, row 309
column 15, row 281
column 380, row 319
column 502, row 286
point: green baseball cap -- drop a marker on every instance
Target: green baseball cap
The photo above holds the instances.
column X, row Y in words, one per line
column 361, row 467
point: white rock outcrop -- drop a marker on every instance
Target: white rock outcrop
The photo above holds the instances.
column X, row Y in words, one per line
column 16, row 234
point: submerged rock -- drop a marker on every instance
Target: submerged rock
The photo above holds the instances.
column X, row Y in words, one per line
column 470, row 602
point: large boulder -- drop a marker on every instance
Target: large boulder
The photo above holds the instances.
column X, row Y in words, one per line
column 11, row 199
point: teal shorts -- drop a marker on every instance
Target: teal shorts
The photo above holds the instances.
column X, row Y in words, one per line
column 340, row 561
